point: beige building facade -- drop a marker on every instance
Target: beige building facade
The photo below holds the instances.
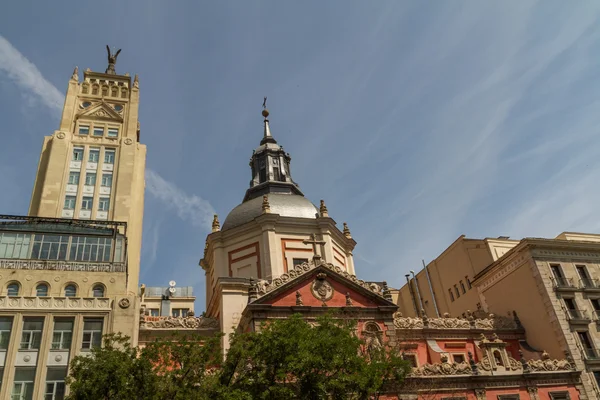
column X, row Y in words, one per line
column 69, row 270
column 553, row 285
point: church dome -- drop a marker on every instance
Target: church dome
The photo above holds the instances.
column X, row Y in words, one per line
column 286, row 205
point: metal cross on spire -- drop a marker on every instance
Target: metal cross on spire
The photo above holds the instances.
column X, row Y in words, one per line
column 314, row 242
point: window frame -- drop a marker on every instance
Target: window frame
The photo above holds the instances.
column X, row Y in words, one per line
column 35, row 335
column 109, row 156
column 95, row 336
column 70, row 202
column 90, row 177
column 70, row 287
column 11, row 285
column 95, row 151
column 112, row 132
column 102, row 287
column 87, row 203
column 97, row 129
column 62, row 343
column 451, row 294
column 106, row 177
column 77, row 154
column 565, row 395
column 76, row 175
column 103, row 203
column 37, row 289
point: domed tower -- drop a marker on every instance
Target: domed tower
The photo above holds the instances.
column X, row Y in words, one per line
column 274, row 229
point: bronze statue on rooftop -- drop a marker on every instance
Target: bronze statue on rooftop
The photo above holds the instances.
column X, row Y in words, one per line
column 112, row 60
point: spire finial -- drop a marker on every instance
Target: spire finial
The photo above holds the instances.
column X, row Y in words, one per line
column 216, row 226
column 75, row 75
column 136, row 81
column 347, row 231
column 266, row 207
column 265, row 112
column 323, row 209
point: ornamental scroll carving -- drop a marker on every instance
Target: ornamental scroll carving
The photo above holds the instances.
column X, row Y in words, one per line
column 549, row 365
column 492, row 322
column 263, row 286
column 179, row 322
column 462, row 368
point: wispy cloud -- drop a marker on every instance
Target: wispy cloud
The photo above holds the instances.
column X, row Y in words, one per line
column 26, row 75
column 188, row 207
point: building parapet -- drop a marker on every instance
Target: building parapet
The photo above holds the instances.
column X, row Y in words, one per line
column 491, row 322
column 178, row 323
column 53, row 265
column 54, row 303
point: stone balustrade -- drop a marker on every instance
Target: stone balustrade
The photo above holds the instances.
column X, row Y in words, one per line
column 55, row 303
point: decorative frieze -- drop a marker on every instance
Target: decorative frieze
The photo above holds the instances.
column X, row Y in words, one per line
column 441, row 369
column 54, row 303
column 53, row 265
column 492, row 322
column 177, row 323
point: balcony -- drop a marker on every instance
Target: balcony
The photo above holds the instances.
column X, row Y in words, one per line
column 564, row 284
column 576, row 316
column 590, row 285
column 59, row 265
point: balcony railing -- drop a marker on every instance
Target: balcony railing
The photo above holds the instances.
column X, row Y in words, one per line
column 564, row 283
column 588, row 283
column 54, row 265
column 579, row 315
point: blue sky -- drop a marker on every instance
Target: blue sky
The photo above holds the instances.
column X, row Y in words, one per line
column 415, row 121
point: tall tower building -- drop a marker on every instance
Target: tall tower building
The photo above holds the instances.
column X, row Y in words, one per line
column 69, row 270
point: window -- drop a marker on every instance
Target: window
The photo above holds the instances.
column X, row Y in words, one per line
column 95, row 89
column 5, row 328
column 12, row 289
column 103, row 204
column 55, row 384
column 84, row 129
column 597, row 377
column 180, row 312
column 49, row 247
column 456, row 291
column 77, row 154
column 124, row 93
column 595, row 304
column 462, row 286
column 468, row 282
column 32, row 333
column 85, row 88
column 23, row 384
column 98, row 131
column 98, row 291
column 104, row 90
column 411, row 358
column 583, row 275
column 90, row 179
column 92, row 333
column 114, row 92
column 86, row 203
column 63, row 333
column 498, row 358
column 41, row 290
column 458, row 358
column 113, row 132
column 508, row 397
column 70, row 290
column 109, row 156
column 106, row 180
column 587, row 345
column 262, row 171
column 451, row 295
column 94, row 155
column 299, row 261
column 69, row 203
column 85, row 248
column 73, row 178
column 559, row 396
column 14, row 245
column 154, row 312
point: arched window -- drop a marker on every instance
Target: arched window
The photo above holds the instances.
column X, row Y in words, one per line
column 498, row 358
column 124, row 93
column 98, row 291
column 95, row 89
column 104, row 90
column 85, row 88
column 41, row 290
column 114, row 92
column 12, row 289
column 70, row 291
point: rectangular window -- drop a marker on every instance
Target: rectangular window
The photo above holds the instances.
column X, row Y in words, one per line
column 458, row 358
column 90, row 179
column 586, row 343
column 468, row 282
column 107, row 180
column 560, row 396
column 180, row 312
column 570, row 303
column 113, row 132
column 55, row 384
column 98, row 131
column 94, row 155
column 456, row 291
column 586, row 282
column 109, row 156
column 69, row 203
column 299, row 261
column 596, row 304
column 86, row 203
column 73, row 178
column 103, row 204
column 63, row 333
column 5, row 328
column 14, row 245
column 451, row 295
column 77, row 154
column 508, row 397
column 86, row 248
column 462, row 286
column 556, row 271
column 23, row 384
column 154, row 312
column 92, row 333
column 84, row 129
column 49, row 247
column 32, row 333
column 411, row 358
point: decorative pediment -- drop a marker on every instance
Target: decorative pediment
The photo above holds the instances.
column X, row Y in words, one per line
column 101, row 111
column 320, row 284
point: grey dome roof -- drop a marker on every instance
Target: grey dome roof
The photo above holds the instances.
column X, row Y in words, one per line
column 287, row 205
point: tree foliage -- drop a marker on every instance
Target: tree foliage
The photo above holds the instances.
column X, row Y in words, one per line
column 287, row 359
